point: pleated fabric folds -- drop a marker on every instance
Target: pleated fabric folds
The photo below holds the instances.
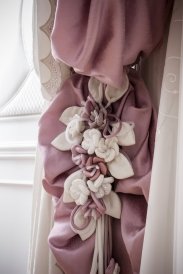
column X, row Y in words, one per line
column 104, row 105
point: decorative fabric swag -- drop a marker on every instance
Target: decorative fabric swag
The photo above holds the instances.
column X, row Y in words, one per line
column 97, row 136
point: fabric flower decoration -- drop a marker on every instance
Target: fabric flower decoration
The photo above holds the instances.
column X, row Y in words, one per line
column 94, row 115
column 97, row 116
column 79, row 191
column 74, row 130
column 75, row 189
column 79, row 156
column 95, row 135
column 91, row 138
column 91, row 166
column 94, row 207
column 101, row 186
column 107, row 149
column 112, row 94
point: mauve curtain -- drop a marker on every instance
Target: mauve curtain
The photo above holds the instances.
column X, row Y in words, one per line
column 163, row 239
column 103, row 40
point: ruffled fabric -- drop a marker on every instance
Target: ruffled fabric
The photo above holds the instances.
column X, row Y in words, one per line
column 134, row 106
column 101, row 40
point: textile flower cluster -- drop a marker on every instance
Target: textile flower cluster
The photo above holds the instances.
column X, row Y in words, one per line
column 95, row 135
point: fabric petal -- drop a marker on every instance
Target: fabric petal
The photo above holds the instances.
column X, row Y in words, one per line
column 113, row 94
column 126, row 136
column 61, row 143
column 96, row 90
column 67, row 198
column 69, row 112
column 113, row 205
column 107, row 189
column 66, row 195
column 120, row 167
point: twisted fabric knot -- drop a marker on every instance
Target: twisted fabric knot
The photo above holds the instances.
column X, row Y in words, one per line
column 79, row 156
column 91, row 166
column 94, row 167
column 97, row 116
column 83, row 218
column 93, row 208
column 94, row 115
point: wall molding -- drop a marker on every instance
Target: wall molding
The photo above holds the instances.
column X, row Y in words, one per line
column 23, row 117
column 17, row 150
column 16, row 183
column 18, row 146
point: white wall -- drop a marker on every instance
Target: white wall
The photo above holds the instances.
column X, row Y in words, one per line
column 15, row 212
column 17, row 158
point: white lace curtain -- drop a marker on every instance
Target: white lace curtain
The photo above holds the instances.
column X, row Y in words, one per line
column 51, row 74
column 163, row 243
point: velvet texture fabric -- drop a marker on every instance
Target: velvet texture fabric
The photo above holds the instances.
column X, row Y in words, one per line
column 103, row 39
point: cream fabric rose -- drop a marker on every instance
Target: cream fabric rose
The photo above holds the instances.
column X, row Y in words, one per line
column 91, row 140
column 101, row 186
column 79, row 191
column 107, row 149
column 74, row 130
column 76, row 190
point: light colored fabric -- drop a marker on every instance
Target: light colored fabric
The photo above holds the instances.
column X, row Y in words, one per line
column 51, row 74
column 41, row 260
column 163, row 242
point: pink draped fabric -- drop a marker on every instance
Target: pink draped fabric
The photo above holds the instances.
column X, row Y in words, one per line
column 102, row 39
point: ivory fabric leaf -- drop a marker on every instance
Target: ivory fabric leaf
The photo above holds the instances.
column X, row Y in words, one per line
column 96, row 89
column 61, row 143
column 69, row 113
column 113, row 205
column 126, row 136
column 85, row 226
column 79, row 221
column 114, row 94
column 120, row 167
